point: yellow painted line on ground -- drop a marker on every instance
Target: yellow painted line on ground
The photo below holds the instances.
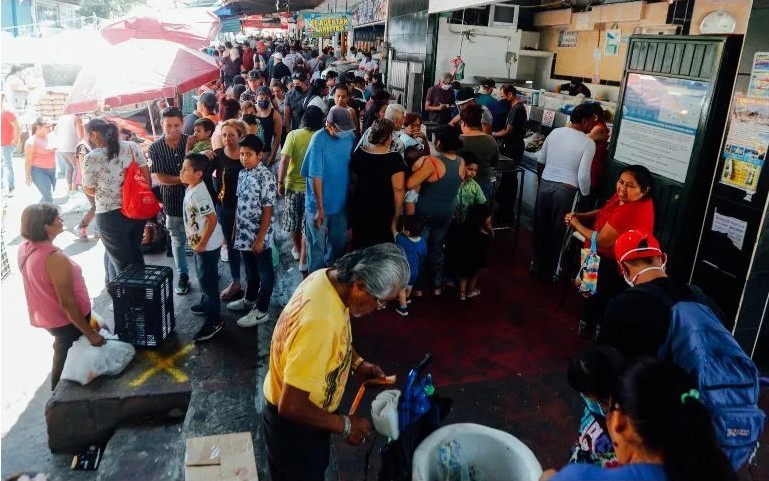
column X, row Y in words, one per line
column 160, row 363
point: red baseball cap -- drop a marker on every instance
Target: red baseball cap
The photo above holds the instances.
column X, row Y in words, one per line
column 635, row 244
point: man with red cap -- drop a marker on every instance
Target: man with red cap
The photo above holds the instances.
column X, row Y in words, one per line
column 636, row 321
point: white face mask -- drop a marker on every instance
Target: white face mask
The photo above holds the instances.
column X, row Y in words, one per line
column 631, row 282
column 445, row 86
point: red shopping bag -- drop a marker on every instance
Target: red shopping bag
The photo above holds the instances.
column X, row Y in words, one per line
column 139, row 202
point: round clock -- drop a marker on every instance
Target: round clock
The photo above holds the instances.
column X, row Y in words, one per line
column 718, row 22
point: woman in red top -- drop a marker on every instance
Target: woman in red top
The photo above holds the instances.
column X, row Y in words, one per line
column 630, row 208
column 40, row 160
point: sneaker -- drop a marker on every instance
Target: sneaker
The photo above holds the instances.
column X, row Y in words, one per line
column 253, row 318
column 197, row 309
column 402, row 310
column 208, row 331
column 241, row 304
column 295, row 253
column 474, row 293
column 183, row 286
column 224, row 254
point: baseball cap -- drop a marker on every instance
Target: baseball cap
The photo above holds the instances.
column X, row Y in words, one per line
column 255, row 74
column 465, row 95
column 208, row 99
column 636, row 244
column 340, row 118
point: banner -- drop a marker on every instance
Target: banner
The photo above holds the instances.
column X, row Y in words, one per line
column 326, row 24
column 369, row 11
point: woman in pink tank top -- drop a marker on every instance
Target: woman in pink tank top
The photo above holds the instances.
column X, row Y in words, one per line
column 57, row 298
column 40, row 159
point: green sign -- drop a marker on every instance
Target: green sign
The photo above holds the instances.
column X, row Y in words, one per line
column 326, row 24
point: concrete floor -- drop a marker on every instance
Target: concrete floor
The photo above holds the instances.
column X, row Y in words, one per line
column 500, row 357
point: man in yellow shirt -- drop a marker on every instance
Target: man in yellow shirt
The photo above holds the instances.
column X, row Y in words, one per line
column 311, row 357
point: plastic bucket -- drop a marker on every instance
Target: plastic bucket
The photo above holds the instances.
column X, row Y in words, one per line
column 492, row 455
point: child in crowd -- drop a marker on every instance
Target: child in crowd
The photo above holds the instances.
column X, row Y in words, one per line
column 474, row 240
column 205, row 237
column 256, row 191
column 415, row 249
column 593, row 375
column 253, row 126
column 201, row 139
column 470, row 191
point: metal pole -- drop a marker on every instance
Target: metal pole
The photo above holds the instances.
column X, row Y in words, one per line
column 152, row 121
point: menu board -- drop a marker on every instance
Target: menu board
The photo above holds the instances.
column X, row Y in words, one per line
column 660, row 117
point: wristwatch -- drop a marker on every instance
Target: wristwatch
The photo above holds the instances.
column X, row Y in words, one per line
column 347, row 427
column 356, row 364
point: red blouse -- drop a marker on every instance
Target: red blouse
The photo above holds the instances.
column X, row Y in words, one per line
column 638, row 215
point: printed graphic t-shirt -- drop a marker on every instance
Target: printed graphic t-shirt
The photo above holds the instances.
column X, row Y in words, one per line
column 197, row 205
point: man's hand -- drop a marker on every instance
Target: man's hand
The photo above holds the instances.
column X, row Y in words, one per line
column 360, row 432
column 281, row 189
column 200, row 248
column 368, row 371
column 209, row 153
column 568, row 217
column 95, row 338
column 257, row 246
column 320, row 218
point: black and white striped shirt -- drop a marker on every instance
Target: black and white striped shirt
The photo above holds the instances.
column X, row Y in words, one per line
column 169, row 161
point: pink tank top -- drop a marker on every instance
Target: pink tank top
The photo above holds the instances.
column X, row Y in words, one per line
column 42, row 302
column 42, row 156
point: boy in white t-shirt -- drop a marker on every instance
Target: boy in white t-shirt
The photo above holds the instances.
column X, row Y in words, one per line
column 205, row 237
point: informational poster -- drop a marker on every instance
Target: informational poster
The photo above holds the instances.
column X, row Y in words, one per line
column 368, row 12
column 326, row 24
column 759, row 76
column 746, row 143
column 548, row 117
column 733, row 227
column 613, row 38
column 660, row 117
column 567, row 39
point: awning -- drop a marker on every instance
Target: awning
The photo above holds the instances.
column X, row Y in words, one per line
column 250, row 7
column 438, row 6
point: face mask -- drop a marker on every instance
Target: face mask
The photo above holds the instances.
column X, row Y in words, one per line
column 631, row 282
column 445, row 86
column 593, row 406
column 299, row 89
column 263, row 104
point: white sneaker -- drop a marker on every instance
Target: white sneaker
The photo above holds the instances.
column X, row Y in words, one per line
column 295, row 253
column 253, row 318
column 241, row 305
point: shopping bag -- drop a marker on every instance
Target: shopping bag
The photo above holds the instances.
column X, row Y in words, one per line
column 86, row 362
column 139, row 202
column 587, row 277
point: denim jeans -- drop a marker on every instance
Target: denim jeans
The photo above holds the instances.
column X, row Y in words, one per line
column 226, row 218
column 8, row 177
column 45, row 181
column 122, row 238
column 434, row 234
column 175, row 226
column 327, row 244
column 110, row 272
column 207, row 268
column 260, row 277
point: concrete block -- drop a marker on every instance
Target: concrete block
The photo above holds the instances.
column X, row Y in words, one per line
column 129, row 455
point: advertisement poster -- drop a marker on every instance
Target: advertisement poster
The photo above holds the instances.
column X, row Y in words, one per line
column 326, row 24
column 746, row 143
column 567, row 39
column 613, row 38
column 369, row 11
column 660, row 117
column 759, row 76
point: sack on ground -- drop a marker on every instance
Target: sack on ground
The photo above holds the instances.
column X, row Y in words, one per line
column 587, row 277
column 86, row 362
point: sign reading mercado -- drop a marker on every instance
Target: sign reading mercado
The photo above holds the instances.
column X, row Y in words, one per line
column 326, row 24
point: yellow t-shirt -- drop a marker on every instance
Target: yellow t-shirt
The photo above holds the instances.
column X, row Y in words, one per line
column 295, row 146
column 311, row 346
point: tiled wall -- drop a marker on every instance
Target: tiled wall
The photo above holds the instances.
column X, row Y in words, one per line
column 408, row 34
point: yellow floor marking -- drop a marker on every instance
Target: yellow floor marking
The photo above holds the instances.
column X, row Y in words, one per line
column 161, row 363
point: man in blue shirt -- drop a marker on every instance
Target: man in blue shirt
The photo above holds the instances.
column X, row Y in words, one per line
column 326, row 167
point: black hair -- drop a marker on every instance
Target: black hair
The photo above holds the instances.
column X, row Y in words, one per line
column 476, row 216
column 171, row 112
column 370, row 115
column 314, row 91
column 508, row 89
column 250, row 119
column 111, row 135
column 238, row 80
column 198, row 162
column 449, row 138
column 581, row 113
column 252, row 142
column 413, row 224
column 650, row 394
column 456, row 85
column 207, row 124
column 472, row 116
column 595, row 372
column 237, row 91
column 312, row 119
column 642, row 175
column 381, row 130
column 470, row 158
column 331, row 74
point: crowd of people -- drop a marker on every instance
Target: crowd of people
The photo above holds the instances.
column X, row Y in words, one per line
column 379, row 208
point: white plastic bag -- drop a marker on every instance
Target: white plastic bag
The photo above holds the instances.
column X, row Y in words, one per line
column 86, row 362
column 384, row 413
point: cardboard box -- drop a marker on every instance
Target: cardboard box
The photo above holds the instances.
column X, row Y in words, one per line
column 228, row 457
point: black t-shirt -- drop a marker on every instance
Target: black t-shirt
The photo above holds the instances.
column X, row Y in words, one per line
column 373, row 186
column 516, row 117
column 227, row 171
column 573, row 90
column 280, row 71
column 636, row 323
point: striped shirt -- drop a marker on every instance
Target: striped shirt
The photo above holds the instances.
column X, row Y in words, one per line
column 169, row 161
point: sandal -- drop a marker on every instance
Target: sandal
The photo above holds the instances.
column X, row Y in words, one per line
column 474, row 293
column 231, row 293
column 462, row 296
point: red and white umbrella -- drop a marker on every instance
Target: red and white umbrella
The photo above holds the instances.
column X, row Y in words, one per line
column 192, row 27
column 137, row 71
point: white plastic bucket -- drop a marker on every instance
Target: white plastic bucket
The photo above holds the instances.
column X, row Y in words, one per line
column 493, row 455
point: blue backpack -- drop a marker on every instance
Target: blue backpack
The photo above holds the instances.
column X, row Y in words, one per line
column 726, row 377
